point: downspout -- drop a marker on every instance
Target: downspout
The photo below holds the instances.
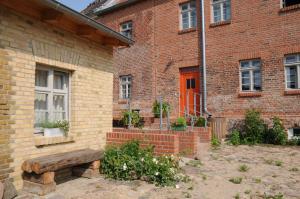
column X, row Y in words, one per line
column 203, row 47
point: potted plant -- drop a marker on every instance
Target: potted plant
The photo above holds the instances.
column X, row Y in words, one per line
column 180, row 124
column 56, row 129
column 156, row 109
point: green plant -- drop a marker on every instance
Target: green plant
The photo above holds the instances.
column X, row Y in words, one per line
column 257, row 180
column 200, row 122
column 237, row 196
column 276, row 134
column 136, row 120
column 215, row 142
column 195, row 163
column 62, row 124
column 156, row 109
column 236, row 180
column 294, row 141
column 180, row 124
column 277, row 196
column 235, row 138
column 248, row 191
column 294, row 169
column 254, row 128
column 278, row 163
column 131, row 162
column 243, row 168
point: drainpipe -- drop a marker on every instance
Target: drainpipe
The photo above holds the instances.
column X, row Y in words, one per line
column 203, row 47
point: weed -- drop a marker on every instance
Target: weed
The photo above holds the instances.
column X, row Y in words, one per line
column 257, row 180
column 278, row 163
column 277, row 196
column 243, row 168
column 187, row 195
column 195, row 163
column 237, row 196
column 236, row 180
column 295, row 169
column 247, row 191
column 215, row 142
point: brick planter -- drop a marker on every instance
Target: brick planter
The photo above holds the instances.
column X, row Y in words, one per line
column 165, row 142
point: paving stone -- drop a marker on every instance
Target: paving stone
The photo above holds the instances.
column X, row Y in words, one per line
column 9, row 190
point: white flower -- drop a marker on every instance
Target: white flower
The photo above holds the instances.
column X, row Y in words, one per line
column 156, row 173
column 177, row 186
column 142, row 159
column 124, row 167
column 172, row 170
column 155, row 160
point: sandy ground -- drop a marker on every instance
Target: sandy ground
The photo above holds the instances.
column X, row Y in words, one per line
column 272, row 172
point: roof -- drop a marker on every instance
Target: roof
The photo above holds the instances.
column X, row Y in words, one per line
column 100, row 7
column 59, row 15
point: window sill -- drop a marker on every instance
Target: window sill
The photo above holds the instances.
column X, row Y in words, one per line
column 123, row 101
column 250, row 94
column 221, row 23
column 40, row 141
column 290, row 8
column 292, row 92
column 180, row 32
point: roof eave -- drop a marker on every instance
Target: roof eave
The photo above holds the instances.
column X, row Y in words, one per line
column 115, row 7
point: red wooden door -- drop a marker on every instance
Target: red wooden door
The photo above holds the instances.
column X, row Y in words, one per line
column 189, row 93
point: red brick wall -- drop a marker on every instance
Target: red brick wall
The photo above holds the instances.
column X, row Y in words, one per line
column 158, row 53
column 257, row 30
column 165, row 142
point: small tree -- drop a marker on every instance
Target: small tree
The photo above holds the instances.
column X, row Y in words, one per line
column 254, row 128
column 276, row 134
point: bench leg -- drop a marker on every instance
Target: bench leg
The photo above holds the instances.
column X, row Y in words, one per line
column 90, row 170
column 39, row 184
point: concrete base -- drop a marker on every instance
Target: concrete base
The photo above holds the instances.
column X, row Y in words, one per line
column 39, row 189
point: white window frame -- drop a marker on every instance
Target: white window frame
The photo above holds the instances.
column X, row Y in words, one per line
column 123, row 31
column 283, row 4
column 297, row 64
column 189, row 11
column 291, row 133
column 51, row 92
column 251, row 70
column 221, row 2
column 127, row 82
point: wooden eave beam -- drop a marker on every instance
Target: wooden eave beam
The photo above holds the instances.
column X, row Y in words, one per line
column 85, row 31
column 51, row 15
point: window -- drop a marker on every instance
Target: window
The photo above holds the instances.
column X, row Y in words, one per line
column 250, row 72
column 292, row 71
column 221, row 10
column 125, row 87
column 126, row 29
column 188, row 17
column 190, row 83
column 51, row 95
column 293, row 132
column 287, row 3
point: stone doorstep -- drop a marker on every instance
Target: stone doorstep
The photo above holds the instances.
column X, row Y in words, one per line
column 39, row 189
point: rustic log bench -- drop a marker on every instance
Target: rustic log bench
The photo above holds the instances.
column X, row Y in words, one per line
column 39, row 172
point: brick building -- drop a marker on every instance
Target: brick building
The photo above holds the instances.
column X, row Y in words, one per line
column 55, row 63
column 154, row 67
column 252, row 55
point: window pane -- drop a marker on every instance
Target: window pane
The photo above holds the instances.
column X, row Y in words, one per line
column 185, row 20
column 292, row 79
column 291, row 59
column 59, row 107
column 257, row 80
column 41, row 78
column 59, row 80
column 188, row 84
column 290, row 2
column 40, row 108
column 129, row 91
column 256, row 63
column 217, row 12
column 226, row 10
column 245, row 80
column 193, row 83
column 296, row 132
column 245, row 64
column 184, row 7
column 193, row 19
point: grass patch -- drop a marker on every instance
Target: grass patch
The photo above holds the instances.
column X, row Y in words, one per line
column 237, row 196
column 247, row 192
column 294, row 169
column 277, row 196
column 278, row 163
column 195, row 163
column 236, row 180
column 257, row 180
column 243, row 168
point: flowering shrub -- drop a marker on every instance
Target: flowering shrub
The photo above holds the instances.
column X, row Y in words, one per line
column 130, row 162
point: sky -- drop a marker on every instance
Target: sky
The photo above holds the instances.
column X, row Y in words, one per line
column 77, row 5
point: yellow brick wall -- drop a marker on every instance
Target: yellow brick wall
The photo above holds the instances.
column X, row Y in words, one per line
column 24, row 42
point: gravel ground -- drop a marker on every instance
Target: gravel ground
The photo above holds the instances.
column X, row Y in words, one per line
column 268, row 172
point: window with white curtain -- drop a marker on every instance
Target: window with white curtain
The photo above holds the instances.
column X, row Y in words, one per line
column 51, row 95
column 188, row 15
column 221, row 10
column 250, row 75
column 126, row 29
column 292, row 71
column 125, row 87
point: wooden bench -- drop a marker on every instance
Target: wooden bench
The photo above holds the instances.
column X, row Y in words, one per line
column 39, row 172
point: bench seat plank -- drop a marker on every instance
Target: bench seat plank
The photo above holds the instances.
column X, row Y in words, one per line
column 60, row 161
